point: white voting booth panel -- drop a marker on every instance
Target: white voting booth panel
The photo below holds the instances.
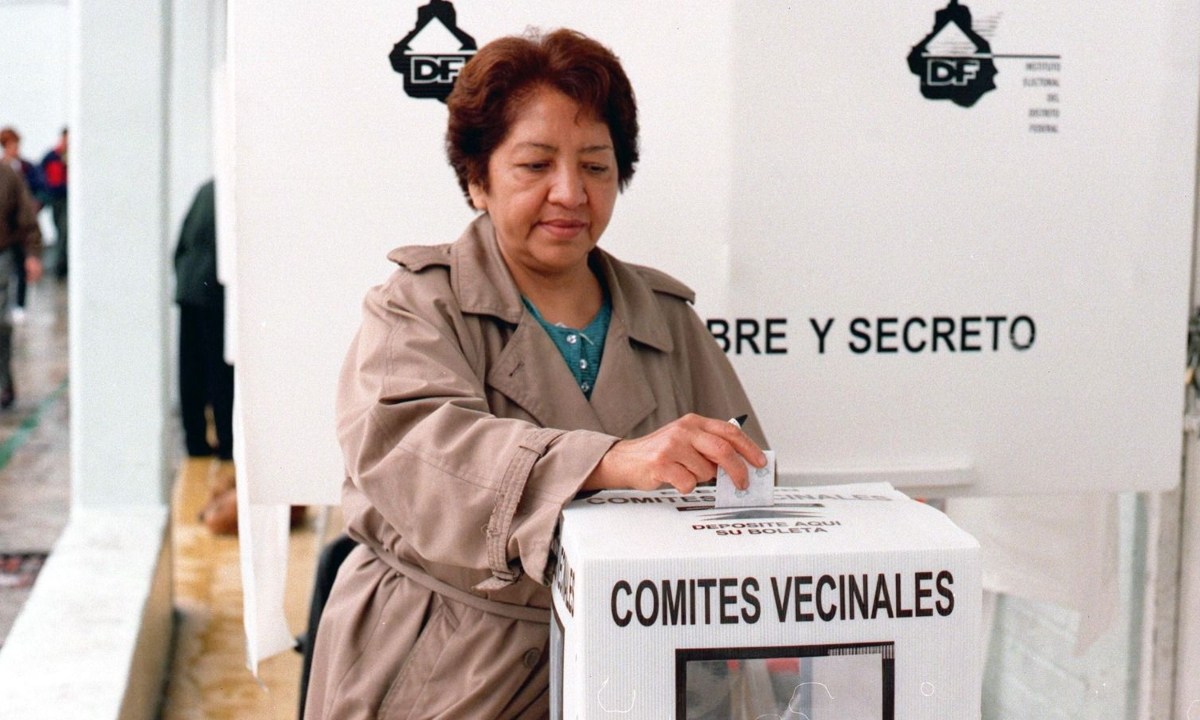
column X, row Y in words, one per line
column 992, row 296
column 837, row 602
column 944, row 244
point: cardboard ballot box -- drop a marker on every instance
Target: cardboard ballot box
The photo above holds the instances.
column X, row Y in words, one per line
column 839, row 603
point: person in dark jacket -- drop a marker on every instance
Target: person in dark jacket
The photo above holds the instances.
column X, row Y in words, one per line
column 205, row 379
column 18, row 226
column 10, row 140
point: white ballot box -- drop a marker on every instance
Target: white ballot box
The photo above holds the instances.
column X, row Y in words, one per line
column 836, row 603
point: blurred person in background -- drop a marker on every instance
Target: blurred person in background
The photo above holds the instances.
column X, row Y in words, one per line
column 10, row 140
column 205, row 379
column 54, row 196
column 18, row 226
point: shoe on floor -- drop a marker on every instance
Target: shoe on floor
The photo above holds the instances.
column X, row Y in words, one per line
column 8, row 396
column 220, row 515
column 17, row 315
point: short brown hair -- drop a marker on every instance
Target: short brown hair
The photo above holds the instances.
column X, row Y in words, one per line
column 495, row 83
column 8, row 135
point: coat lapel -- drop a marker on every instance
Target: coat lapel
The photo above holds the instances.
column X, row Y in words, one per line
column 531, row 372
column 622, row 398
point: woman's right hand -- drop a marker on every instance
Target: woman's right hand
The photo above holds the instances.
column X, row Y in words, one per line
column 681, row 454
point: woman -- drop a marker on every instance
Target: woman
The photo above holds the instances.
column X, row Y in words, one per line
column 463, row 429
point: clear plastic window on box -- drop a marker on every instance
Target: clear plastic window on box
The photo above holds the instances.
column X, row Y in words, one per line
column 821, row 682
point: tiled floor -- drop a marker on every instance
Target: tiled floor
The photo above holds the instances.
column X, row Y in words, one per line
column 34, row 447
column 208, row 677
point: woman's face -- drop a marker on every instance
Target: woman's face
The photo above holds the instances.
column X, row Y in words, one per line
column 552, row 184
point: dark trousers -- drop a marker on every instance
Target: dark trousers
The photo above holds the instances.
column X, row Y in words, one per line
column 327, row 568
column 6, row 329
column 22, row 278
column 205, row 379
column 58, row 211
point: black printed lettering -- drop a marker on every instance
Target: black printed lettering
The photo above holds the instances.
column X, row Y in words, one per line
column 803, row 597
column 707, row 584
column 674, row 610
column 883, row 600
column 995, row 321
column 830, row 612
column 728, row 601
column 646, row 590
column 885, row 332
column 858, row 596
column 943, row 329
column 968, row 334
column 1022, row 327
column 747, row 331
column 618, row 588
column 821, row 333
column 857, row 326
column 782, row 600
column 944, row 582
column 750, row 595
column 901, row 611
column 923, row 593
column 908, row 344
column 773, row 335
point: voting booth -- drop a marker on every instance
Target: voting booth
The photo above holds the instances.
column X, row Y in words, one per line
column 945, row 244
column 841, row 602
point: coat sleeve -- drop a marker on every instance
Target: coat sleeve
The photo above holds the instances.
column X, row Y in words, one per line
column 460, row 485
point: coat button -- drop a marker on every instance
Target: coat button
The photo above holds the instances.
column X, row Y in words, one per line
column 531, row 658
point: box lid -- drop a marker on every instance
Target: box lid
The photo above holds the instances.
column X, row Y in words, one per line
column 866, row 517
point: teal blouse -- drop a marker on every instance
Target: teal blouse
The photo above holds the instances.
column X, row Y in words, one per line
column 580, row 348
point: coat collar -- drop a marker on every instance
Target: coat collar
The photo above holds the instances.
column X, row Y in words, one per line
column 479, row 276
column 483, row 285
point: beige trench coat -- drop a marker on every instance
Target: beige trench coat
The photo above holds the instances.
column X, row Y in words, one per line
column 464, row 435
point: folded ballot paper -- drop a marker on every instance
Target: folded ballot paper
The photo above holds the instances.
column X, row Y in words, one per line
column 760, row 493
column 833, row 603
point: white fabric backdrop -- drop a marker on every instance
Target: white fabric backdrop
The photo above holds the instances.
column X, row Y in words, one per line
column 792, row 172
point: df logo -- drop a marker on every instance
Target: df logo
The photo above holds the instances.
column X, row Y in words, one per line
column 954, row 62
column 432, row 74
